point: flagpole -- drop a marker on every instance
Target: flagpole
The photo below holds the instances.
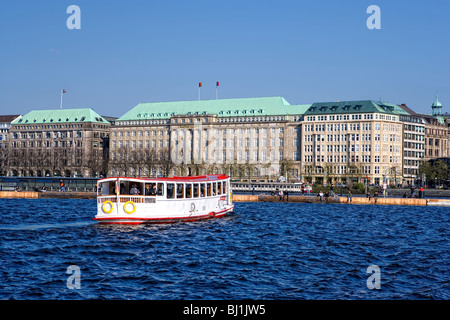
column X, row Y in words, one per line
column 60, row 106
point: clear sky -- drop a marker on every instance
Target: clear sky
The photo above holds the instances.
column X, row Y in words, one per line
column 133, row 51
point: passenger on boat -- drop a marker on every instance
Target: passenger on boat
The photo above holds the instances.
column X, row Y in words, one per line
column 134, row 190
column 123, row 189
column 147, row 189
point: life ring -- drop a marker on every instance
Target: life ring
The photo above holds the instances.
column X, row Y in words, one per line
column 192, row 207
column 110, row 206
column 125, row 207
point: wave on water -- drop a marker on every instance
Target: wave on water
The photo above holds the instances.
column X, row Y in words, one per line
column 48, row 225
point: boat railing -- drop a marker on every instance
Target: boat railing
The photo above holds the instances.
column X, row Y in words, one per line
column 123, row 199
column 102, row 199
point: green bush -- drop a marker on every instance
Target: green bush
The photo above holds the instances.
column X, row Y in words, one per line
column 358, row 186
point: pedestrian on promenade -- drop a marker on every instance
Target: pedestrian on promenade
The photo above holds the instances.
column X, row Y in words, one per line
column 286, row 194
column 62, row 188
column 320, row 195
column 281, row 194
column 349, row 196
column 375, row 196
column 413, row 193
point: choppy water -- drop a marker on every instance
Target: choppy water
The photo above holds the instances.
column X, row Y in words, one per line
column 263, row 251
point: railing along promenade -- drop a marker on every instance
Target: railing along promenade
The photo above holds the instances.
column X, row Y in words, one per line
column 250, row 198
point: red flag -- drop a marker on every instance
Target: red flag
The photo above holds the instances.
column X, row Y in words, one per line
column 199, row 84
column 64, row 91
column 217, row 83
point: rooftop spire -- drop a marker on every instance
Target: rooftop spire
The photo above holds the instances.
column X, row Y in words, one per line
column 436, row 107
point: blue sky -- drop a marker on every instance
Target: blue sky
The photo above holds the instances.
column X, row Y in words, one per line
column 128, row 52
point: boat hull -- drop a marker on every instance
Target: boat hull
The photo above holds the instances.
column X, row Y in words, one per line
column 161, row 220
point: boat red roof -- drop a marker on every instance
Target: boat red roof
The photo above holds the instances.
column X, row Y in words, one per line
column 209, row 177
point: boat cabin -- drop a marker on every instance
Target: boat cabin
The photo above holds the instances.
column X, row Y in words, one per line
column 164, row 188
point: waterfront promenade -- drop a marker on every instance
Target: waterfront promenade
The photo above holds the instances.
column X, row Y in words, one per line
column 358, row 199
column 337, row 199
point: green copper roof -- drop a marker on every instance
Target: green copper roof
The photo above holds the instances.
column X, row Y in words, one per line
column 360, row 106
column 60, row 116
column 298, row 108
column 220, row 107
column 436, row 103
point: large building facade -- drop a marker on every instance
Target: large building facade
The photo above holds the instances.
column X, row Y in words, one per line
column 245, row 138
column 357, row 141
column 414, row 126
column 69, row 142
column 252, row 139
column 262, row 139
column 5, row 125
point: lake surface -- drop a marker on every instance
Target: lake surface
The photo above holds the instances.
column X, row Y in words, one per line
column 263, row 251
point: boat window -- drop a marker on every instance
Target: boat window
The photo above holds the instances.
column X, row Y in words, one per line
column 160, row 189
column 170, row 191
column 196, row 188
column 108, row 188
column 188, row 190
column 208, row 189
column 180, row 190
column 224, row 187
column 123, row 188
column 135, row 189
column 202, row 189
column 219, row 186
column 150, row 189
column 214, row 191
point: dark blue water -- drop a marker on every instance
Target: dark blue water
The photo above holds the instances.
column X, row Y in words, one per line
column 263, row 251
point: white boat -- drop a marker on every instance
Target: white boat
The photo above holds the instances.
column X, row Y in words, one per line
column 122, row 200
